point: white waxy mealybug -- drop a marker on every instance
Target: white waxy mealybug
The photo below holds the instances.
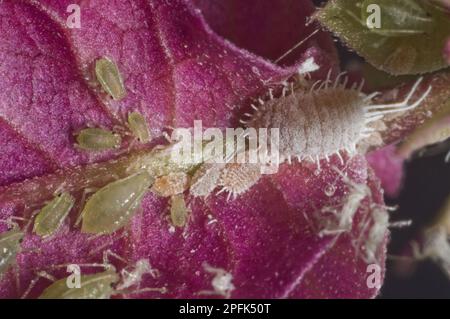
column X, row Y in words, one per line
column 111, row 208
column 178, row 211
column 52, row 215
column 139, row 127
column 110, row 79
column 171, row 184
column 96, row 139
column 236, row 178
column 10, row 247
column 205, row 179
column 324, row 120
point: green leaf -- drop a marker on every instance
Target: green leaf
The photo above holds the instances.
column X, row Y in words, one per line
column 408, row 39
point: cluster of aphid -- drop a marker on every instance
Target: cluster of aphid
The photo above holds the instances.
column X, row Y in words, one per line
column 316, row 121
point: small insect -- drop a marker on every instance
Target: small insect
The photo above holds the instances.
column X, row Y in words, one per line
column 52, row 215
column 237, row 178
column 139, row 127
column 178, row 211
column 96, row 139
column 205, row 179
column 10, row 246
column 110, row 79
column 327, row 119
column 111, row 207
column 95, row 286
column 222, row 282
column 171, row 184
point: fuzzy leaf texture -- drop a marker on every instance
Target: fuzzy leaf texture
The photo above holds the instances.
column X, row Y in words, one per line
column 176, row 68
column 409, row 40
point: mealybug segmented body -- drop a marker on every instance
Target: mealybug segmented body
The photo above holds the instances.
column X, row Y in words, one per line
column 321, row 122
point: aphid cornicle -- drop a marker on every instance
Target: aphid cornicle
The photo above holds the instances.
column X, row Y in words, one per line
column 52, row 215
column 110, row 79
column 139, row 127
column 111, row 207
column 96, row 139
column 10, row 247
column 325, row 120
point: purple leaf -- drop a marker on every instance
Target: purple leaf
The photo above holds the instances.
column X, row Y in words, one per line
column 176, row 70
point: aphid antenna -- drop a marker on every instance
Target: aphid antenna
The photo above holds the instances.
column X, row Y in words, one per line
column 297, row 45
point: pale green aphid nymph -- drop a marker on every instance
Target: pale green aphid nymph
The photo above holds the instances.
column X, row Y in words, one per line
column 96, row 139
column 110, row 79
column 111, row 208
column 52, row 215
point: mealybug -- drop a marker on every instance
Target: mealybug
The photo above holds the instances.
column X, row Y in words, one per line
column 236, row 179
column 110, row 79
column 111, row 208
column 52, row 215
column 324, row 120
column 96, row 139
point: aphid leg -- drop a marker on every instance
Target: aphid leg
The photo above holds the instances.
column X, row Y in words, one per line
column 39, row 275
column 86, row 191
column 382, row 109
column 447, row 157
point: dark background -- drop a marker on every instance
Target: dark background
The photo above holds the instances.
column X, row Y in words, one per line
column 426, row 186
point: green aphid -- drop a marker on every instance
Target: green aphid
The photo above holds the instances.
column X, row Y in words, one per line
column 139, row 127
column 112, row 207
column 96, row 139
column 52, row 215
column 9, row 247
column 110, row 79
